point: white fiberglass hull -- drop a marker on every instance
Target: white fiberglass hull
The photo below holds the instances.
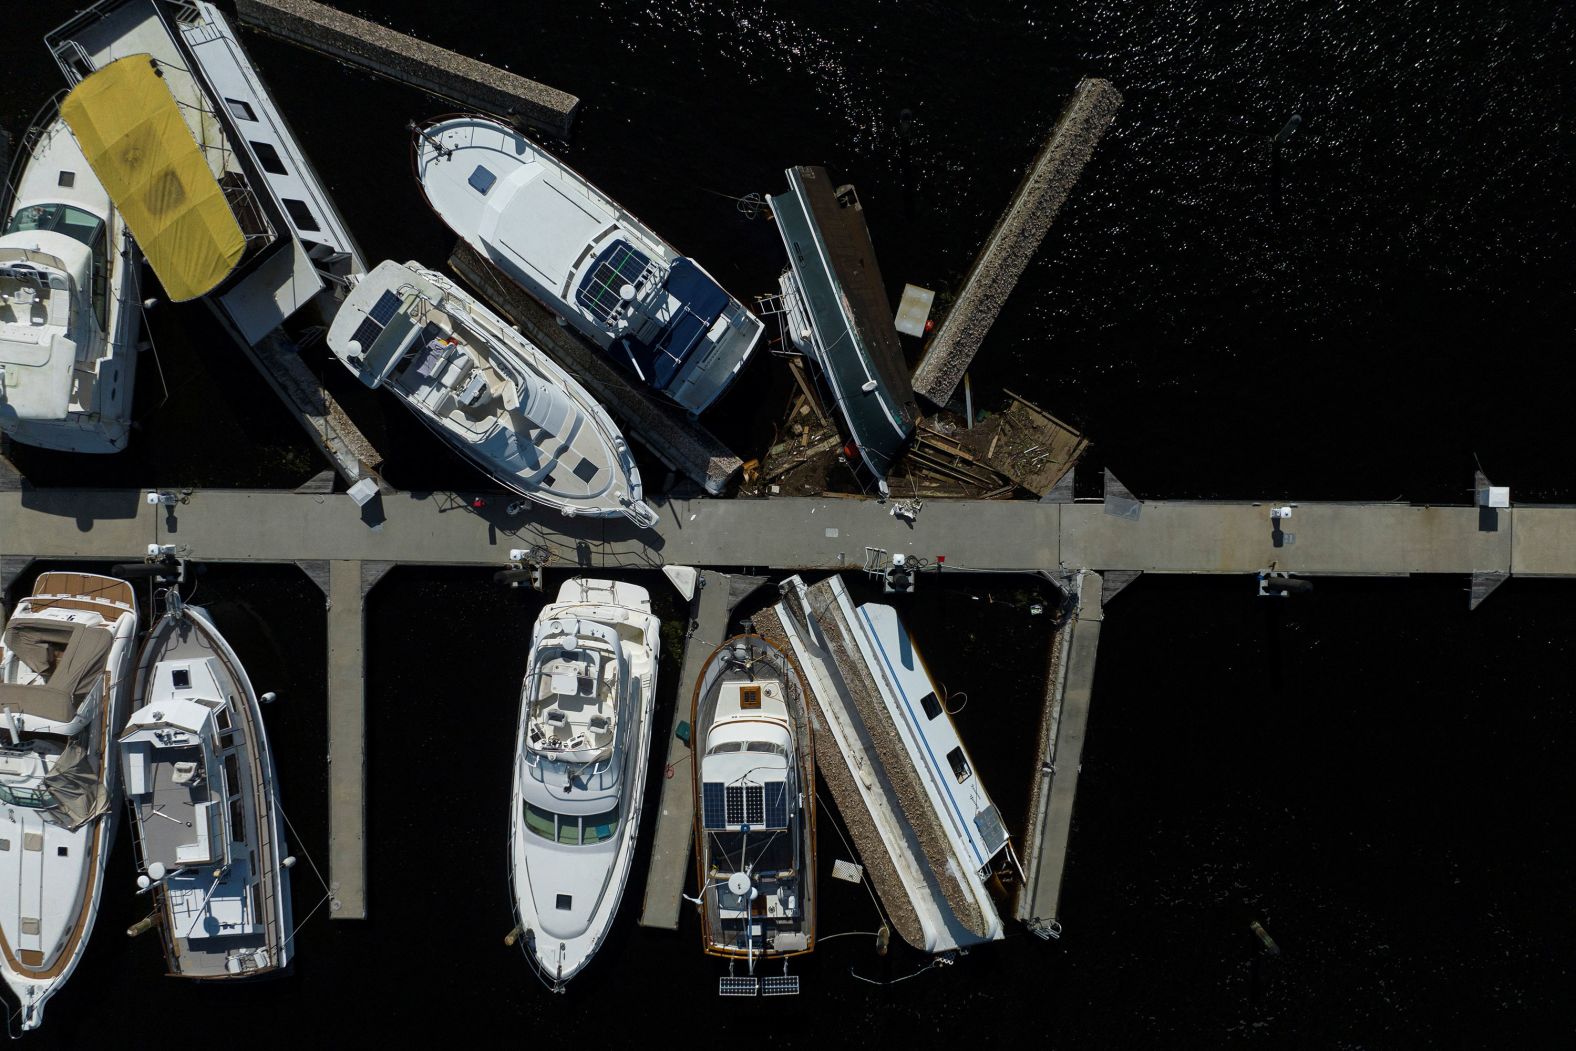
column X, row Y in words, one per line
column 49, row 900
column 560, row 946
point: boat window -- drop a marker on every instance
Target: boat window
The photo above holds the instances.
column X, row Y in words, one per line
column 725, row 746
column 76, row 223
column 569, row 830
column 241, row 109
column 960, row 764
column 931, row 705
column 269, row 158
column 300, row 214
column 100, row 280
column 482, row 180
column 596, row 828
column 232, row 774
column 543, row 822
column 31, row 798
column 768, row 747
column 237, row 820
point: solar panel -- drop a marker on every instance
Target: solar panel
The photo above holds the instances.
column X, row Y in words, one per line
column 754, row 806
column 777, row 805
column 711, row 805
column 385, row 308
column 619, row 266
column 735, row 810
column 367, row 333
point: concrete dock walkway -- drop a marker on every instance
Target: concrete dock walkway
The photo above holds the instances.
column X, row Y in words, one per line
column 439, row 528
column 1068, row 697
column 670, row 844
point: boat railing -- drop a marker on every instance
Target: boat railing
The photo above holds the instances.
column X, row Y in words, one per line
column 25, row 147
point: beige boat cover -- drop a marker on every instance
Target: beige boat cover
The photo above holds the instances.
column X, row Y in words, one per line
column 82, row 652
column 135, row 139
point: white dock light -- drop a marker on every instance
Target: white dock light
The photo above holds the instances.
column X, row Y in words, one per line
column 1494, row 496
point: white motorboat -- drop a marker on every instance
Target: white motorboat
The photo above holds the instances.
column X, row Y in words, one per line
column 580, row 769
column 604, row 272
column 488, row 391
column 70, row 316
column 199, row 780
column 65, row 660
column 755, row 812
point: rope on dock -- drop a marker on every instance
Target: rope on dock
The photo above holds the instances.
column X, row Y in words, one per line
column 1015, row 238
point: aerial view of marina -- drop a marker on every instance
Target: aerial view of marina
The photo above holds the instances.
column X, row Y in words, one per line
column 820, row 522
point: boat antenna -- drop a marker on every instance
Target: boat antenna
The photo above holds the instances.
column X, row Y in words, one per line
column 432, row 140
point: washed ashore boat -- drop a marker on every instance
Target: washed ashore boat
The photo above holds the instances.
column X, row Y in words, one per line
column 755, row 813
column 604, row 272
column 199, row 780
column 580, row 769
column 836, row 312
column 487, row 391
column 65, row 659
column 166, row 96
column 70, row 315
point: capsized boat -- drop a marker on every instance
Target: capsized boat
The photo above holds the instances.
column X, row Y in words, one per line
column 487, row 391
column 755, row 812
column 70, row 315
column 582, row 254
column 580, row 769
column 836, row 312
column 199, row 780
column 65, row 660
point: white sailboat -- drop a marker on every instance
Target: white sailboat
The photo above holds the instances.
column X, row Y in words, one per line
column 487, row 391
column 580, row 769
column 65, row 660
column 607, row 274
column 69, row 311
column 199, row 779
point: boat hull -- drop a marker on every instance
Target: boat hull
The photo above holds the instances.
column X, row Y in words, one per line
column 534, row 865
column 31, row 978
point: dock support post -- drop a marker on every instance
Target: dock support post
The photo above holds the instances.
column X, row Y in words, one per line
column 670, row 848
column 1062, row 726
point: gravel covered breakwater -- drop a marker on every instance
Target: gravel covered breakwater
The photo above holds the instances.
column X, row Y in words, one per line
column 404, row 58
column 1015, row 238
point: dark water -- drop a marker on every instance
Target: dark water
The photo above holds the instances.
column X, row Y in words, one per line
column 1379, row 778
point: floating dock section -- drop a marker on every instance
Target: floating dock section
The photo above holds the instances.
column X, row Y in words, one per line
column 435, row 70
column 656, row 423
column 1068, row 691
column 671, row 856
column 1015, row 239
column 902, row 839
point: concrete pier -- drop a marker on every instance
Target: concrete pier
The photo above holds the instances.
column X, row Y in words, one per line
column 671, row 857
column 1015, row 238
column 435, row 70
column 659, row 425
column 348, row 583
column 1068, row 695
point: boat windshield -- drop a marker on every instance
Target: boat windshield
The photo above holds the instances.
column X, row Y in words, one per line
column 75, row 223
column 570, row 829
column 31, row 798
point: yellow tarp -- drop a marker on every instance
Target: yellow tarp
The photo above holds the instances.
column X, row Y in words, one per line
column 138, row 144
